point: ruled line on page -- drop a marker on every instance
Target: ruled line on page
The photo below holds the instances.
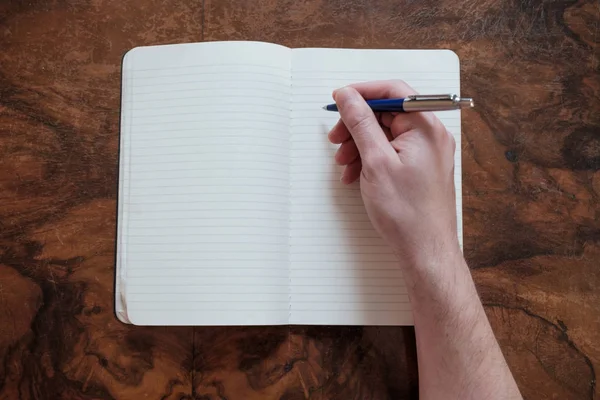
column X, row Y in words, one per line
column 158, row 178
column 254, row 108
column 215, row 82
column 300, row 291
column 236, row 276
column 341, row 253
column 196, row 90
column 220, row 73
column 391, row 303
column 184, row 161
column 211, row 100
column 249, row 146
column 257, row 293
column 167, row 284
column 202, row 110
column 202, row 107
column 204, row 285
column 220, row 267
column 222, row 293
column 207, row 185
column 211, row 301
column 212, row 65
column 228, row 193
column 213, row 130
column 133, row 125
column 153, row 309
column 301, row 297
column 279, row 203
column 214, row 218
column 171, row 139
column 139, row 174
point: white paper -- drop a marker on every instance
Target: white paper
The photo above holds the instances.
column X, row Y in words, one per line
column 341, row 271
column 204, row 189
column 231, row 211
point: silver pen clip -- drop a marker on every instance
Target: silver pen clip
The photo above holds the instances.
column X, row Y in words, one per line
column 436, row 102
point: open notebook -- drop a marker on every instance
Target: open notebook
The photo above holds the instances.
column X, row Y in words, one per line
column 230, row 208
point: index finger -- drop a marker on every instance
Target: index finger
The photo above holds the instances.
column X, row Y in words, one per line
column 390, row 89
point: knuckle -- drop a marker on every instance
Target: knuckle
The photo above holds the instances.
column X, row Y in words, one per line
column 400, row 83
column 402, row 87
column 451, row 140
column 375, row 162
column 437, row 125
column 438, row 131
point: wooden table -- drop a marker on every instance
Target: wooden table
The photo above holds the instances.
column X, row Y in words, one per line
column 531, row 160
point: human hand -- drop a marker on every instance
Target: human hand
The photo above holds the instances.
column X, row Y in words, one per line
column 405, row 163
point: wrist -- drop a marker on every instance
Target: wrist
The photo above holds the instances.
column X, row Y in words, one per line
column 431, row 253
column 439, row 276
column 432, row 263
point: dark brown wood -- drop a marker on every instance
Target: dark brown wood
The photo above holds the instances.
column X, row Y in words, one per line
column 531, row 161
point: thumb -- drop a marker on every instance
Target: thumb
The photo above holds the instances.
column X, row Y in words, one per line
column 361, row 123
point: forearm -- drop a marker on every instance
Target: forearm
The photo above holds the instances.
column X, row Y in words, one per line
column 406, row 167
column 459, row 357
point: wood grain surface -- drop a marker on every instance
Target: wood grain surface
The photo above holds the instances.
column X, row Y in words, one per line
column 531, row 161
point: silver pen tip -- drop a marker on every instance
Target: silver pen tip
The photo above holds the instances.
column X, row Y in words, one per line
column 324, row 108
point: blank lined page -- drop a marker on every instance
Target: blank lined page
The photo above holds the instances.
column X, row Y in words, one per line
column 204, row 184
column 341, row 272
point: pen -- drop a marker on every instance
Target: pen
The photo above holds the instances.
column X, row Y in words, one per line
column 418, row 102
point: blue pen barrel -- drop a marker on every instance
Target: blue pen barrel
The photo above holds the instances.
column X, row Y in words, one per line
column 379, row 105
column 389, row 105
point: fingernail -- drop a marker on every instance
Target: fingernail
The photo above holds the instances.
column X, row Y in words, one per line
column 339, row 91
